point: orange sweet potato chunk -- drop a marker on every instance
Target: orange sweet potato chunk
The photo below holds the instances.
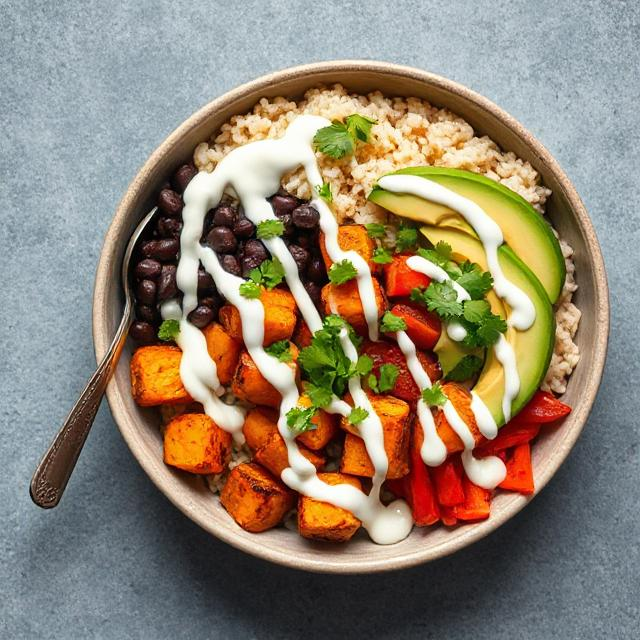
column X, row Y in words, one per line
column 461, row 400
column 193, row 442
column 352, row 237
column 250, row 385
column 254, row 498
column 345, row 298
column 259, row 425
column 395, row 418
column 323, row 521
column 273, row 455
column 280, row 316
column 155, row 376
column 326, row 427
column 223, row 349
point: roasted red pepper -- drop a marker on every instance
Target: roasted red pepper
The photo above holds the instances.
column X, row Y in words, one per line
column 542, row 408
column 423, row 327
column 477, row 502
column 519, row 471
column 511, row 435
column 399, row 280
column 448, row 481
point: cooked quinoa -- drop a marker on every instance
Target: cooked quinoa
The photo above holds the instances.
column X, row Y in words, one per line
column 409, row 132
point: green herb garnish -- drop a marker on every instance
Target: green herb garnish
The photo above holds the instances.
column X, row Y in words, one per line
column 386, row 380
column 341, row 272
column 392, row 323
column 339, row 139
column 485, row 331
column 476, row 282
column 169, row 330
column 441, row 298
column 375, row 230
column 269, row 229
column 299, row 419
column 280, row 350
column 250, row 289
column 434, row 396
column 382, row 256
column 357, row 415
column 324, row 192
column 270, row 273
column 465, row 369
column 406, row 238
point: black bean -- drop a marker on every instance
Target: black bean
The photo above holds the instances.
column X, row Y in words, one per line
column 305, row 240
column 230, row 264
column 300, row 256
column 142, row 332
column 205, row 281
column 314, row 292
column 147, row 313
column 316, row 271
column 289, row 229
column 222, row 240
column 183, row 176
column 201, row 316
column 251, row 262
column 170, row 203
column 243, row 228
column 255, row 248
column 212, row 301
column 169, row 227
column 163, row 250
column 283, row 204
column 225, row 215
column 147, row 268
column 146, row 291
column 305, row 217
column 167, row 285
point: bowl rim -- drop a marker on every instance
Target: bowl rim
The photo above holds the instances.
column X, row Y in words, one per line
column 471, row 534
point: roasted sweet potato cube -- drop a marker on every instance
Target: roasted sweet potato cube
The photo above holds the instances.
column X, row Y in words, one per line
column 326, row 427
column 273, row 455
column 155, row 376
column 461, row 399
column 345, row 299
column 169, row 411
column 194, row 442
column 302, row 335
column 250, row 385
column 259, row 425
column 323, row 521
column 254, row 498
column 352, row 237
column 279, row 316
column 223, row 349
column 394, row 415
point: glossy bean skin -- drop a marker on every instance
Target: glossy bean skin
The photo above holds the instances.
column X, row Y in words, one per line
column 142, row 332
column 146, row 292
column 243, row 229
column 163, row 250
column 183, row 176
column 167, row 285
column 147, row 313
column 222, row 240
column 170, row 203
column 305, row 217
column 169, row 227
column 225, row 215
column 300, row 256
column 314, row 292
column 147, row 269
column 316, row 271
column 201, row 316
column 205, row 282
column 230, row 264
column 283, row 204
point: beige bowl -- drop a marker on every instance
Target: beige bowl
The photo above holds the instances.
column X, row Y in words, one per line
column 140, row 427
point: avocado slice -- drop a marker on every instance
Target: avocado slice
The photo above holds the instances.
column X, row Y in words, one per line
column 533, row 347
column 524, row 229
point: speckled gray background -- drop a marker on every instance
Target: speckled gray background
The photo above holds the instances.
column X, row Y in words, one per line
column 87, row 90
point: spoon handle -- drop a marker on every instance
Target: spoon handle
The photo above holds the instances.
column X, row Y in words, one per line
column 53, row 472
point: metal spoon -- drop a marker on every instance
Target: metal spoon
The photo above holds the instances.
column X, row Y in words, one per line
column 57, row 464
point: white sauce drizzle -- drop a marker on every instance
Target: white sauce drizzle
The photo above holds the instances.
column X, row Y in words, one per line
column 254, row 172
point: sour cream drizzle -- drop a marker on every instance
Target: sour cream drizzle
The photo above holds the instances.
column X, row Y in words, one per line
column 254, row 172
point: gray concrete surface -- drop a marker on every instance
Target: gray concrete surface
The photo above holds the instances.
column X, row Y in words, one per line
column 87, row 90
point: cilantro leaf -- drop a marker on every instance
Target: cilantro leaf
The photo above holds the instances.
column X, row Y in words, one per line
column 465, row 369
column 382, row 256
column 357, row 415
column 476, row 282
column 335, row 140
column 486, row 332
column 324, row 191
column 434, row 396
column 441, row 298
column 386, row 380
column 441, row 255
column 272, row 273
column 341, row 272
column 269, row 229
column 299, row 419
column 375, row 230
column 280, row 350
column 359, row 126
column 319, row 396
column 475, row 310
column 250, row 289
column 406, row 238
column 363, row 366
column 392, row 323
column 169, row 330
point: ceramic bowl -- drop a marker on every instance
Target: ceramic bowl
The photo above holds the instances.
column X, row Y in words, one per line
column 139, row 427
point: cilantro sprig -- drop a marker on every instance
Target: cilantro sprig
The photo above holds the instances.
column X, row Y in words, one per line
column 391, row 323
column 269, row 229
column 339, row 138
column 324, row 192
column 382, row 256
column 299, row 419
column 280, row 350
column 434, row 396
column 169, row 330
column 341, row 272
column 357, row 415
column 375, row 230
column 441, row 298
column 406, row 238
column 386, row 380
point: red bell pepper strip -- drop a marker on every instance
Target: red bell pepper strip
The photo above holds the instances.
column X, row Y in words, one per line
column 542, row 408
column 519, row 471
column 511, row 435
column 448, row 481
column 448, row 516
column 399, row 280
column 477, row 502
column 423, row 327
column 421, row 494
